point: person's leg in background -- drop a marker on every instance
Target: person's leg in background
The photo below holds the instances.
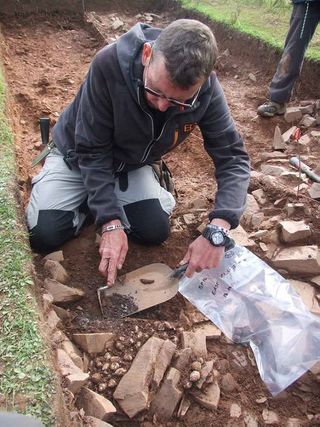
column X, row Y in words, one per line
column 303, row 23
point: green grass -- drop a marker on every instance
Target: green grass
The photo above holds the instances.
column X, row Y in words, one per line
column 26, row 381
column 267, row 20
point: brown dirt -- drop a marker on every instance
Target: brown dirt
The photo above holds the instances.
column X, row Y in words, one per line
column 46, row 58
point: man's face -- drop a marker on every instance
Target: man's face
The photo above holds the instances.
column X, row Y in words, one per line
column 156, row 78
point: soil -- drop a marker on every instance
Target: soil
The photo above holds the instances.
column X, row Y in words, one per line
column 46, row 58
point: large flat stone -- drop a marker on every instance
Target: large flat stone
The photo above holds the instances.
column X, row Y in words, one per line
column 196, row 341
column 62, row 293
column 75, row 377
column 299, row 259
column 210, row 397
column 294, row 230
column 94, row 343
column 95, row 405
column 163, row 361
column 56, row 271
column 308, row 295
column 168, row 396
column 132, row 392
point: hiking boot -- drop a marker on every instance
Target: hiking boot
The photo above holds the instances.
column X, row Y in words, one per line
column 270, row 109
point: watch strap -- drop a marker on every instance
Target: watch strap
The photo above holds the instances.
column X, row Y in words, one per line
column 112, row 227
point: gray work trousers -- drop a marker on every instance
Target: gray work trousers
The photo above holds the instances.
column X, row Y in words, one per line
column 301, row 31
column 55, row 211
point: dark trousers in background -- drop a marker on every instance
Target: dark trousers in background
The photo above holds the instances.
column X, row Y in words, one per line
column 303, row 23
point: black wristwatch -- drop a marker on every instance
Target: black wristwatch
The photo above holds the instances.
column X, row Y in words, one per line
column 217, row 236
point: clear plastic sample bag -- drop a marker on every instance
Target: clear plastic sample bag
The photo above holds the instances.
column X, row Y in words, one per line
column 252, row 304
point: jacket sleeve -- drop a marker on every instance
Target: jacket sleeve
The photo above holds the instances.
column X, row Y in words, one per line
column 93, row 145
column 225, row 146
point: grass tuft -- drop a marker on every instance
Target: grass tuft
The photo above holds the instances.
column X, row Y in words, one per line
column 26, row 381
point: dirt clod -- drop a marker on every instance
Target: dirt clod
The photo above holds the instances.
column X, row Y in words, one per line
column 117, row 306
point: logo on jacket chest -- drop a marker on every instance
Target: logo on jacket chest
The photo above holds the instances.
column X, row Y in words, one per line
column 188, row 127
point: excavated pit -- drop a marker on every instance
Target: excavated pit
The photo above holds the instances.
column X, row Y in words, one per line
column 46, row 57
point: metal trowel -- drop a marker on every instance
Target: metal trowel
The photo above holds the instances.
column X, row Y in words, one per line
column 140, row 289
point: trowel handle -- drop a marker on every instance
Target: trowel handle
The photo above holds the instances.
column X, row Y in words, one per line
column 44, row 129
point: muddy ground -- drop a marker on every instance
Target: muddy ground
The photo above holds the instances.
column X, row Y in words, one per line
column 45, row 59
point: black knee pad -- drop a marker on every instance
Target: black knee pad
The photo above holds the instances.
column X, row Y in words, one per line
column 54, row 228
column 149, row 223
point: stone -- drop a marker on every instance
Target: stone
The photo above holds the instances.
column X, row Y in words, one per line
column 308, row 121
column 239, row 358
column 270, row 417
column 315, row 369
column 308, row 295
column 209, row 330
column 278, row 141
column 168, row 396
column 210, row 397
column 288, row 134
column 165, row 355
column 189, row 218
column 257, row 219
column 252, row 77
column 295, row 422
column 183, row 407
column 183, row 358
column 251, row 208
column 304, row 139
column 55, row 256
column 292, row 231
column 196, row 341
column 299, row 259
column 204, row 373
column 292, row 115
column 260, row 196
column 47, row 302
column 52, row 320
column 72, row 352
column 241, row 237
column 94, row 343
column 132, row 392
column 293, row 208
column 95, row 405
column 117, row 24
column 272, row 170
column 250, row 420
column 228, row 383
column 61, row 313
column 95, row 422
column 306, row 109
column 235, row 410
column 62, row 293
column 315, row 133
column 75, row 377
column 314, row 191
column 56, row 271
column 316, row 280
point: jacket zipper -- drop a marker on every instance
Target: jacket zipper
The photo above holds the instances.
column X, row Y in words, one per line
column 153, row 140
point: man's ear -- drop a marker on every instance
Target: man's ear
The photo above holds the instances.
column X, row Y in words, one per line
column 146, row 54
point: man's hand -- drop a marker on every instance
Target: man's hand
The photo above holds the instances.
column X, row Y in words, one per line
column 113, row 250
column 202, row 255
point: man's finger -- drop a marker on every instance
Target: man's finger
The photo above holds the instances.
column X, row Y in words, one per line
column 122, row 257
column 103, row 266
column 112, row 271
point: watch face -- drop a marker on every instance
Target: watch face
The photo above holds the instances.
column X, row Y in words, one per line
column 217, row 238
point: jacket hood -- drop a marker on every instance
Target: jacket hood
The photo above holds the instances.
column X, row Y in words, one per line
column 129, row 49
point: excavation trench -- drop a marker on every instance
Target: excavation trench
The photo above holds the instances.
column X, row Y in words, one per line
column 46, row 57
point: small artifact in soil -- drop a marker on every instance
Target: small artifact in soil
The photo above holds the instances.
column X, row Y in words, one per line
column 119, row 372
column 114, row 366
column 106, row 366
column 96, row 378
column 147, row 281
column 102, row 387
column 187, row 385
column 117, row 306
column 127, row 357
column 196, row 366
column 194, row 376
column 112, row 383
column 119, row 346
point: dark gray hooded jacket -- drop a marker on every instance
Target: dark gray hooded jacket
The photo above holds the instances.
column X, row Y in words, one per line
column 108, row 128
